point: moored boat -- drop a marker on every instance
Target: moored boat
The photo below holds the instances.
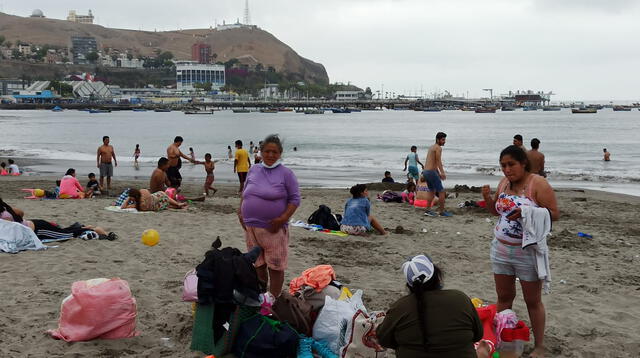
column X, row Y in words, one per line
column 508, row 109
column 57, row 109
column 432, row 109
column 139, row 109
column 162, row 110
column 485, row 110
column 313, row 111
column 99, row 111
column 583, row 110
column 268, row 110
column 529, row 108
column 340, row 110
column 551, row 108
column 198, row 112
column 241, row 110
column 621, row 108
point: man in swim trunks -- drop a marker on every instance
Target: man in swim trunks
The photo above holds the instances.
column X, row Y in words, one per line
column 106, row 153
column 607, row 155
column 536, row 158
column 434, row 174
column 413, row 161
column 175, row 163
column 159, row 180
column 518, row 141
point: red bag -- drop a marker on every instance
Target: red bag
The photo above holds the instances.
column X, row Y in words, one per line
column 99, row 308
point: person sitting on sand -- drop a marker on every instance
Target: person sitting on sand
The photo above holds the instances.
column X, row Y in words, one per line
column 13, row 168
column 144, row 200
column 70, row 187
column 159, row 180
column 431, row 321
column 357, row 218
column 409, row 195
column 607, row 155
column 93, row 187
column 509, row 260
column 3, row 169
column 387, row 177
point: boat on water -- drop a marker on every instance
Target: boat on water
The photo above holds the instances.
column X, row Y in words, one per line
column 596, row 106
column 57, row 109
column 340, row 110
column 285, row 109
column 352, row 109
column 313, row 111
column 529, row 108
column 139, row 109
column 198, row 112
column 468, row 109
column 621, row 108
column 485, row 110
column 508, row 109
column 162, row 110
column 241, row 110
column 268, row 110
column 551, row 108
column 432, row 109
column 99, row 111
column 584, row 110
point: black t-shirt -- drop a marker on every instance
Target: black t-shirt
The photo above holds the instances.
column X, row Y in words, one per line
column 92, row 184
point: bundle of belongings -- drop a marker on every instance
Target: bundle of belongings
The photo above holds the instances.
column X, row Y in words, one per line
column 15, row 237
column 316, row 316
column 503, row 331
column 98, row 308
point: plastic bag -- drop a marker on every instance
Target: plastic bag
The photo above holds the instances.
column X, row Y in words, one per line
column 98, row 308
column 334, row 318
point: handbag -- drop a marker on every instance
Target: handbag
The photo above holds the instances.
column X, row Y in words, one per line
column 190, row 287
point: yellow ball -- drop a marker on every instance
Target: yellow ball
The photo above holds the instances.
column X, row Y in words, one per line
column 150, row 237
column 38, row 193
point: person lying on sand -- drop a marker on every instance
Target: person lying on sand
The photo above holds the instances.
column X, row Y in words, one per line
column 144, row 200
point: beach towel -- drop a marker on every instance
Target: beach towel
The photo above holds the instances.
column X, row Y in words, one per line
column 15, row 237
column 536, row 226
column 118, row 209
column 318, row 228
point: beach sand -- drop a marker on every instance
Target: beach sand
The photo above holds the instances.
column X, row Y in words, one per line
column 593, row 310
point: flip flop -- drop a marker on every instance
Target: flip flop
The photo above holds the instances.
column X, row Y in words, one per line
column 433, row 214
column 446, row 214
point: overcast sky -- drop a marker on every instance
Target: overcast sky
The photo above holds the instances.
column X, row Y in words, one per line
column 580, row 49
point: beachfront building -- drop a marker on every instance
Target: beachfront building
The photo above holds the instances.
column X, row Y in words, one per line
column 45, row 96
column 81, row 46
column 349, row 95
column 82, row 19
column 122, row 61
column 189, row 73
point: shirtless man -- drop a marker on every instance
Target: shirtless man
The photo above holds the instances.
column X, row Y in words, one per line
column 536, row 158
column 174, row 154
column 434, row 174
column 607, row 155
column 103, row 161
column 159, row 180
column 518, row 141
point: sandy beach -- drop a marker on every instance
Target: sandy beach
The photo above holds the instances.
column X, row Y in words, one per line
column 592, row 311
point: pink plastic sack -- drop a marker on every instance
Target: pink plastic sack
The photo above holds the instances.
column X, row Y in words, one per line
column 99, row 308
column 190, row 287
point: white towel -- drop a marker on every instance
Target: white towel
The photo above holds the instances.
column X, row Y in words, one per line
column 536, row 226
column 117, row 209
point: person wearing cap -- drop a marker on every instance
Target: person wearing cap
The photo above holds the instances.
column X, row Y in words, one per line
column 431, row 321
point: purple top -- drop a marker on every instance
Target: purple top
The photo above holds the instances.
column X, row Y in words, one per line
column 267, row 192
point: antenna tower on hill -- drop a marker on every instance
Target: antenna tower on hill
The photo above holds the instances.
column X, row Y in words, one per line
column 247, row 18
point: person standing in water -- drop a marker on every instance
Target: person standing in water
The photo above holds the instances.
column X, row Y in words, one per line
column 136, row 155
column 413, row 161
column 536, row 158
column 175, row 163
column 607, row 155
column 434, row 175
column 106, row 154
column 229, row 152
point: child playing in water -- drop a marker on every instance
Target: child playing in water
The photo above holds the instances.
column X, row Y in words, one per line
column 209, row 167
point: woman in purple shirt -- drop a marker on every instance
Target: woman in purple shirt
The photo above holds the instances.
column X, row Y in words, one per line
column 270, row 196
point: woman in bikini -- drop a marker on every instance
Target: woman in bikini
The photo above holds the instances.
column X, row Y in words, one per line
column 518, row 188
column 144, row 200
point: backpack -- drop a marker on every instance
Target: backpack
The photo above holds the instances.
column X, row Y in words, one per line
column 295, row 311
column 391, row 197
column 324, row 218
column 260, row 336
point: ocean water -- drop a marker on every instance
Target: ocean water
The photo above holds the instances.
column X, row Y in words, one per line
column 338, row 150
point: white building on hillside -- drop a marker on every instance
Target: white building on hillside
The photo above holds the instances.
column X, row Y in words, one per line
column 188, row 73
column 83, row 19
column 349, row 95
column 122, row 61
